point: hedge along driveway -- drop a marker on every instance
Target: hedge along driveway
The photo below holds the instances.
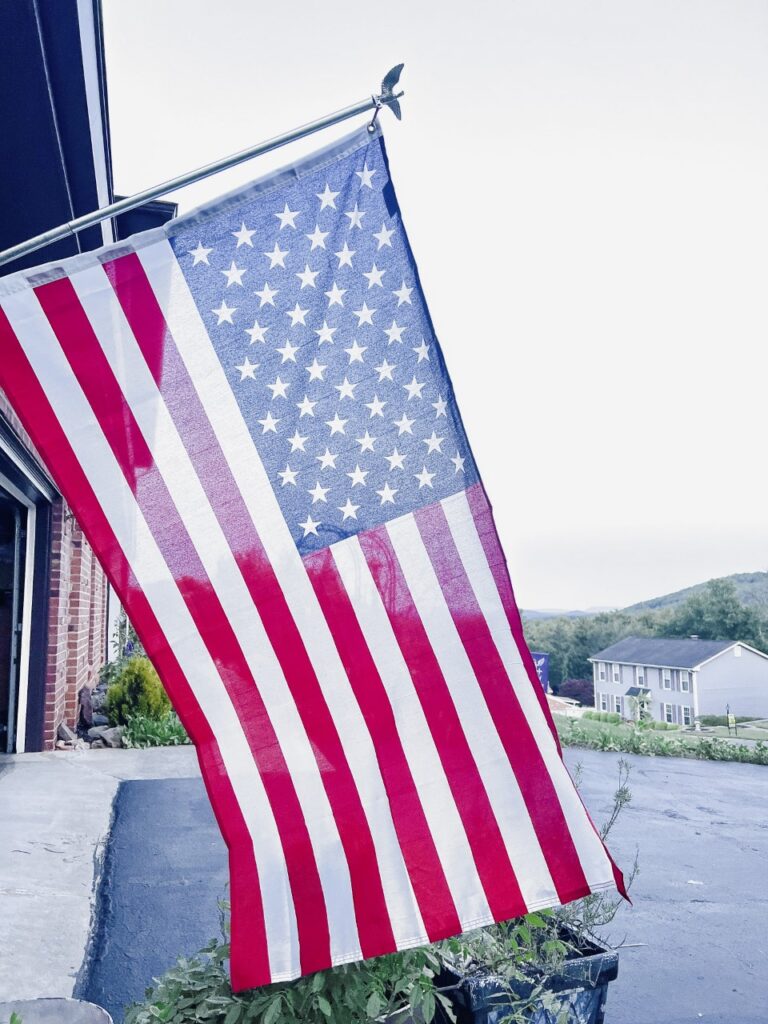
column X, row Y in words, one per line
column 632, row 740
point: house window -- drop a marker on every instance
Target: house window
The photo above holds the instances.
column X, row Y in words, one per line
column 616, row 674
column 603, row 701
column 601, row 672
column 685, row 680
column 617, row 705
column 640, row 674
column 666, row 679
column 687, row 719
column 669, row 713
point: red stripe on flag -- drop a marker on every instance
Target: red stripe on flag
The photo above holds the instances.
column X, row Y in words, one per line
column 25, row 392
column 488, row 849
column 97, row 380
column 514, row 730
column 489, row 538
column 147, row 322
column 419, row 852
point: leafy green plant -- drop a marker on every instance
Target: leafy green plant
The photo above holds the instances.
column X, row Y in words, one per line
column 143, row 731
column 646, row 741
column 198, row 989
column 125, row 644
column 137, row 690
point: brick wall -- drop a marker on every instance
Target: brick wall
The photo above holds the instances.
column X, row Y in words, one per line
column 77, row 610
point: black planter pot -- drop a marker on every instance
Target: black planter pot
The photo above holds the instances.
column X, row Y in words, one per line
column 581, row 986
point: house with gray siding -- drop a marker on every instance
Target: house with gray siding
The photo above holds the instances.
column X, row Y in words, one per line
column 682, row 679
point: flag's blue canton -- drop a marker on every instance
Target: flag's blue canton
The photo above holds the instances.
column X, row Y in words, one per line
column 310, row 296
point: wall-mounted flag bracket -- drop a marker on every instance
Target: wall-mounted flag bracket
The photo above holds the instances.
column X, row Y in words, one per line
column 386, row 98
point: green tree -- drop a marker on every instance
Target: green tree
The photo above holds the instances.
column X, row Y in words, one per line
column 716, row 613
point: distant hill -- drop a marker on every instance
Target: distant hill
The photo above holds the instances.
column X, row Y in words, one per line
column 536, row 614
column 751, row 587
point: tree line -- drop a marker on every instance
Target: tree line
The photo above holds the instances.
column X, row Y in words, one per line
column 713, row 613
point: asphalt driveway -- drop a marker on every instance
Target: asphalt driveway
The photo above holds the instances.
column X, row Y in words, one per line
column 697, row 941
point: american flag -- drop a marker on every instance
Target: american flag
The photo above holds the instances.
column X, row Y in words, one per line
column 250, row 415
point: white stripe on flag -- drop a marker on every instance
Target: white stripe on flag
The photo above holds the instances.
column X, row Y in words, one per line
column 440, row 809
column 499, row 780
column 188, row 495
column 591, row 852
column 221, row 408
column 153, row 576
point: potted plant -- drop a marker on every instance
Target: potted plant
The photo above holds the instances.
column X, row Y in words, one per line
column 549, row 967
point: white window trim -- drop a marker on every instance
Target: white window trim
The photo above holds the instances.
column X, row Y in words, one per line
column 616, row 673
column 685, row 680
column 669, row 710
column 685, row 708
column 618, row 704
column 601, row 671
column 603, row 697
column 666, row 678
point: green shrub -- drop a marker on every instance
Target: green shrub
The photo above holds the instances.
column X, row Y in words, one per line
column 142, row 731
column 603, row 716
column 714, row 720
column 645, row 741
column 137, row 690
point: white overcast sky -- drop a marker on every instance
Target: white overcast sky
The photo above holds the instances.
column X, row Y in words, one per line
column 598, row 173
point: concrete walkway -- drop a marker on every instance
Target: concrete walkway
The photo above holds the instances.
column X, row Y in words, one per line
column 55, row 812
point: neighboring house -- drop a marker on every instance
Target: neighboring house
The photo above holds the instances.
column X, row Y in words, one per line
column 683, row 679
column 54, row 166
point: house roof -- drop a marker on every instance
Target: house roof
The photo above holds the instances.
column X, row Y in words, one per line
column 667, row 652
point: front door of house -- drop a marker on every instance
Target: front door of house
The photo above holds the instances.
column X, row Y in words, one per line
column 12, row 533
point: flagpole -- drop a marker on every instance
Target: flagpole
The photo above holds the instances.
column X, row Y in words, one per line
column 386, row 98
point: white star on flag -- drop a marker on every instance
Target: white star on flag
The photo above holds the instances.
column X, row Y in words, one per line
column 244, row 236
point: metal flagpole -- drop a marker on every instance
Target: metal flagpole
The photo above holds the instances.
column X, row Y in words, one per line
column 386, row 98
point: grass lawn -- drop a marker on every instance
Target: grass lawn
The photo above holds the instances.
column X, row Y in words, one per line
column 747, row 731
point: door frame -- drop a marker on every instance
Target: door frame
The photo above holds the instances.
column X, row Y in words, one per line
column 27, row 483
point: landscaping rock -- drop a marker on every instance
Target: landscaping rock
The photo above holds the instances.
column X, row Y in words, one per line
column 113, row 737
column 65, row 734
column 99, row 719
column 86, row 707
column 98, row 744
column 96, row 732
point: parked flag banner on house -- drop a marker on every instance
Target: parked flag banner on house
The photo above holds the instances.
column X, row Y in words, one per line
column 541, row 664
column 249, row 412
